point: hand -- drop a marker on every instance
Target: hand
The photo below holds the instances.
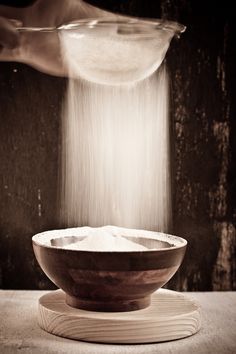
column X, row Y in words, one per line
column 41, row 50
column 9, row 37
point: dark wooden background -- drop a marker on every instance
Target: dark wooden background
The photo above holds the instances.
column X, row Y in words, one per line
column 202, row 66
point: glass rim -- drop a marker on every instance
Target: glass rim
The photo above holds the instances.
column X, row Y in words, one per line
column 148, row 24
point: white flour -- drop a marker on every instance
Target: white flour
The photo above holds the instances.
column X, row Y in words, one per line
column 102, row 240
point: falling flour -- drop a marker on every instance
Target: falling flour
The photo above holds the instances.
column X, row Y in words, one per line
column 115, row 150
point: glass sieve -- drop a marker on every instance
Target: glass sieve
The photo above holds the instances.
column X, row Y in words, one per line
column 114, row 50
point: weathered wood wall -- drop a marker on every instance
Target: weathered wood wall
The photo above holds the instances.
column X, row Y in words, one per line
column 202, row 67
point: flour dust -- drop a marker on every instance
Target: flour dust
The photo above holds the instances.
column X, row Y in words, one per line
column 115, row 154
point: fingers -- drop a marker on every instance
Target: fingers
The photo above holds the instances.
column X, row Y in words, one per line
column 9, row 36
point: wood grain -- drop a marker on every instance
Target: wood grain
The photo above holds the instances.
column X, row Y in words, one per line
column 170, row 316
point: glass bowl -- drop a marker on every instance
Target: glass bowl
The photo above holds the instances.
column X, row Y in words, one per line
column 116, row 51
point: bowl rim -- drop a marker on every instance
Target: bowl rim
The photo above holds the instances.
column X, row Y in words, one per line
column 43, row 239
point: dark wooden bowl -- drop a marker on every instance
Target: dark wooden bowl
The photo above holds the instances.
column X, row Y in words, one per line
column 109, row 281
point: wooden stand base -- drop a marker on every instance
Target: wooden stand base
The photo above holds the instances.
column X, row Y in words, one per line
column 170, row 316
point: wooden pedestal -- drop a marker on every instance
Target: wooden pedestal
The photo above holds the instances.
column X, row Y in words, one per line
column 170, row 316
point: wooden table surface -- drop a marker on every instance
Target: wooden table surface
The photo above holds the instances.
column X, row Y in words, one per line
column 20, row 333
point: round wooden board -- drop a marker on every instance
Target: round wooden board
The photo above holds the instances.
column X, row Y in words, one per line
column 170, row 316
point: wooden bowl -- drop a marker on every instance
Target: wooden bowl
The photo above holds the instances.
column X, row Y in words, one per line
column 109, row 281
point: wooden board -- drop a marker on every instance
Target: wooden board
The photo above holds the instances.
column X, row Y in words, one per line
column 170, row 316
